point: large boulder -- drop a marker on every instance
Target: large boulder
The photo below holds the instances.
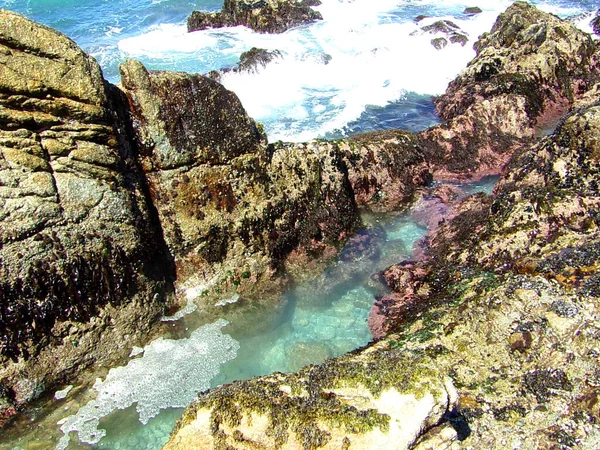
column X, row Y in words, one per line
column 529, row 70
column 83, row 270
column 264, row 16
column 233, row 209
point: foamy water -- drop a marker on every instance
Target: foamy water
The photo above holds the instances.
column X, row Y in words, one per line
column 363, row 54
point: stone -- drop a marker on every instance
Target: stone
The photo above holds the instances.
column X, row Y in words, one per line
column 472, row 11
column 78, row 237
column 263, row 16
column 233, row 208
column 528, row 71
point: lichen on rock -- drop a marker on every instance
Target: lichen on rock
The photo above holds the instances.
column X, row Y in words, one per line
column 81, row 262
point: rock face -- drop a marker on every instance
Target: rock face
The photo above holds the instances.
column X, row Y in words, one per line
column 264, row 16
column 497, row 326
column 82, row 261
column 230, row 204
column 356, row 401
column 250, row 62
column 528, row 71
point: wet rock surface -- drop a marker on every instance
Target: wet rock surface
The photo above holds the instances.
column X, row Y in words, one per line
column 504, row 303
column 529, row 70
column 109, row 194
column 263, row 16
column 81, row 262
column 229, row 203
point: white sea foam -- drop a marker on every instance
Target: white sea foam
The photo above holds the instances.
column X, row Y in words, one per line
column 168, row 375
column 363, row 53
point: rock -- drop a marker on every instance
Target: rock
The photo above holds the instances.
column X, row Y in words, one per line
column 254, row 58
column 596, row 23
column 528, row 71
column 353, row 404
column 439, row 43
column 263, row 16
column 449, row 29
column 472, row 11
column 250, row 62
column 385, row 168
column 78, row 238
column 233, row 209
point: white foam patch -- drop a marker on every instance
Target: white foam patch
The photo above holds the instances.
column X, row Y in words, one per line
column 363, row 53
column 169, row 375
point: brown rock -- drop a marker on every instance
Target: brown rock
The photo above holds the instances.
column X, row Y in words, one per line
column 78, row 239
column 264, row 16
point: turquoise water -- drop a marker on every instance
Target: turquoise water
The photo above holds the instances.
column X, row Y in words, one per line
column 322, row 317
column 364, row 67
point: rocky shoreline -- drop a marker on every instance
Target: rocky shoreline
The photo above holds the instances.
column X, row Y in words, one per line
column 122, row 201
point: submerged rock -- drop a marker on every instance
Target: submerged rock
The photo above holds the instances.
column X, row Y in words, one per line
column 264, row 16
column 83, row 268
column 250, row 62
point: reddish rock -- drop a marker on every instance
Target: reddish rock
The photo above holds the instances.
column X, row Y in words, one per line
column 528, row 71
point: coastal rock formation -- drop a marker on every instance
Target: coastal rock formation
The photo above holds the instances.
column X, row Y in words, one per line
column 115, row 197
column 499, row 318
column 450, row 31
column 355, row 401
column 82, row 263
column 528, row 71
column 499, row 335
column 232, row 208
column 250, row 62
column 263, row 16
column 385, row 169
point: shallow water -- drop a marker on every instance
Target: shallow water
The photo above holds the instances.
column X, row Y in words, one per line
column 320, row 318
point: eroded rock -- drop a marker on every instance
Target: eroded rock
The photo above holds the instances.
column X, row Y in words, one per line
column 528, row 71
column 83, row 268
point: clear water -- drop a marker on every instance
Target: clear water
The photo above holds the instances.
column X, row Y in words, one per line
column 366, row 66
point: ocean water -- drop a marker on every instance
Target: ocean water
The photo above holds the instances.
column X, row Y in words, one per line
column 366, row 66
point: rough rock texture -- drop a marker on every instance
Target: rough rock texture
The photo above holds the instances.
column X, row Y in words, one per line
column 250, row 62
column 254, row 58
column 596, row 23
column 528, row 70
column 81, row 262
column 264, row 16
column 385, row 169
column 230, row 204
column 450, row 31
column 356, row 401
column 505, row 305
